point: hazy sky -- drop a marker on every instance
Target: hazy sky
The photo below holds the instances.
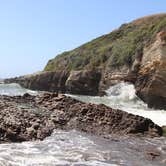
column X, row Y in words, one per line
column 33, row 31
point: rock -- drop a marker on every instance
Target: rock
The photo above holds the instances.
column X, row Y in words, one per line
column 26, row 95
column 77, row 82
column 49, row 111
column 44, row 81
column 31, row 132
column 164, row 130
column 84, row 82
column 152, row 154
column 151, row 81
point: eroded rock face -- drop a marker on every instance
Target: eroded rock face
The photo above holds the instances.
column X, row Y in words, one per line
column 30, row 118
column 151, row 81
column 44, row 81
column 84, row 82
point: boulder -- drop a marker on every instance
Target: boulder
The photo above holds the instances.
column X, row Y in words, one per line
column 25, row 118
column 84, row 82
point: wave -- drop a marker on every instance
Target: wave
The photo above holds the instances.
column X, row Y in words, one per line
column 122, row 96
column 14, row 90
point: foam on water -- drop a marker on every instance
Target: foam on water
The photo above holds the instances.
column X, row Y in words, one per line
column 14, row 90
column 74, row 148
column 61, row 149
column 79, row 149
column 122, row 96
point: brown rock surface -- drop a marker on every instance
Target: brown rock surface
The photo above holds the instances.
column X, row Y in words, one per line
column 77, row 82
column 84, row 82
column 44, row 81
column 152, row 154
column 30, row 118
column 151, row 81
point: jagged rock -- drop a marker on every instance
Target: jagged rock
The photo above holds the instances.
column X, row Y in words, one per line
column 83, row 82
column 151, row 81
column 164, row 131
column 77, row 82
column 35, row 117
column 152, row 154
column 44, row 81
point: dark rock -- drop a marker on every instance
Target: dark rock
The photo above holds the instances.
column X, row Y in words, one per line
column 152, row 154
column 44, row 81
column 151, row 81
column 35, row 117
column 77, row 82
column 164, row 130
column 83, row 82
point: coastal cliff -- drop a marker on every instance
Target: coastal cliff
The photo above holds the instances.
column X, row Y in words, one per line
column 136, row 53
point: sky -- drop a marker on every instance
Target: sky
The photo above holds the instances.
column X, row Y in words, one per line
column 34, row 31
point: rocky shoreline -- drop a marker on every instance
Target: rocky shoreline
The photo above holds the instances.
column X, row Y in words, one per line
column 147, row 72
column 133, row 53
column 25, row 118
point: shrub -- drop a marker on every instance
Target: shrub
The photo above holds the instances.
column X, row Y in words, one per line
column 115, row 49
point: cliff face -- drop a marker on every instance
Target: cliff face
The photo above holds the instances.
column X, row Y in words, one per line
column 151, row 81
column 85, row 82
column 136, row 52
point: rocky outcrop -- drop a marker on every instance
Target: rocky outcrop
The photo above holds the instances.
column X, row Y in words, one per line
column 84, row 82
column 35, row 117
column 151, row 81
column 147, row 73
column 44, row 81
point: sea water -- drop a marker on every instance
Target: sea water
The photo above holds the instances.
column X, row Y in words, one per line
column 73, row 148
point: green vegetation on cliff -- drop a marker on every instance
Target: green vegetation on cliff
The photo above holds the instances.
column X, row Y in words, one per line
column 117, row 48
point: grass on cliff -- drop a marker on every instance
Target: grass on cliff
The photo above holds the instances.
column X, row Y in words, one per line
column 115, row 49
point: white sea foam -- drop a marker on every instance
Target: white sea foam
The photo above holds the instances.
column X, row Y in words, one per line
column 74, row 148
column 79, row 149
column 14, row 90
column 122, row 96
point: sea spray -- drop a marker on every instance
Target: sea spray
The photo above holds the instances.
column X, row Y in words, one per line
column 122, row 96
column 73, row 148
column 14, row 90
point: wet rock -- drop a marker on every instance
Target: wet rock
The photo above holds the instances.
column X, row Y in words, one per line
column 44, row 81
column 84, row 82
column 152, row 154
column 35, row 117
column 164, row 130
column 76, row 82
